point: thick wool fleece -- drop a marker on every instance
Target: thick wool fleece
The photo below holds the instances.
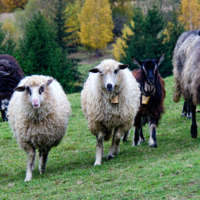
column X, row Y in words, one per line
column 43, row 127
column 186, row 62
column 102, row 115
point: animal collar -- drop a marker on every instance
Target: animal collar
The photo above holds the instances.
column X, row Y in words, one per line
column 115, row 99
column 145, row 96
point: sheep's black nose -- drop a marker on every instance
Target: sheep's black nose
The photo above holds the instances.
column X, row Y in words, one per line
column 109, row 87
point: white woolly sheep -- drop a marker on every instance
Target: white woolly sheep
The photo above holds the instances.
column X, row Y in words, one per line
column 38, row 115
column 106, row 116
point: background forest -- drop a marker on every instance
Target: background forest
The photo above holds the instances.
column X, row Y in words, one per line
column 44, row 35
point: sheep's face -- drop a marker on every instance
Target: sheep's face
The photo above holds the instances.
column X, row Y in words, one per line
column 34, row 94
column 109, row 75
column 149, row 68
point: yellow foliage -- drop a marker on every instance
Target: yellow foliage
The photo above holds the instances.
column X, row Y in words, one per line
column 96, row 24
column 72, row 23
column 167, row 31
column 10, row 30
column 120, row 45
column 11, row 5
column 190, row 14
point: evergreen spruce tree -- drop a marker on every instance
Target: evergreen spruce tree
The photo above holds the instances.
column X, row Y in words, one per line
column 40, row 54
column 145, row 42
column 135, row 43
column 2, row 36
column 150, row 39
column 169, row 38
column 154, row 24
column 62, row 33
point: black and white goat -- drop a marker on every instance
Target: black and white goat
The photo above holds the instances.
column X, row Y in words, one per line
column 152, row 99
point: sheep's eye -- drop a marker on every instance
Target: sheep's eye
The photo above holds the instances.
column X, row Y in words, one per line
column 101, row 73
column 28, row 90
column 115, row 72
column 41, row 90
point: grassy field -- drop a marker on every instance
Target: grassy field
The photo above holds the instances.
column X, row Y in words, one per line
column 171, row 171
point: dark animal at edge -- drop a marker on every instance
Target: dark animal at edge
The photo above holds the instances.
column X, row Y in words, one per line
column 186, row 70
column 153, row 86
column 9, row 65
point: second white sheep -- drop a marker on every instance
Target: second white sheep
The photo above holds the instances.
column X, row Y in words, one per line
column 110, row 100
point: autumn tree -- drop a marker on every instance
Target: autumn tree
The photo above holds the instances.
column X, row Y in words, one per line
column 96, row 24
column 72, row 23
column 189, row 14
column 120, row 45
column 11, row 5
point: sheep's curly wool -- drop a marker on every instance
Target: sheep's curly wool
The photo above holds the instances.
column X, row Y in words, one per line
column 186, row 63
column 43, row 127
column 101, row 114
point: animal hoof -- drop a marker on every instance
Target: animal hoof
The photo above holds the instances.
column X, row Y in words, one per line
column 27, row 179
column 189, row 115
column 193, row 131
column 142, row 140
column 97, row 163
column 183, row 114
column 110, row 157
column 194, row 135
column 135, row 144
column 153, row 145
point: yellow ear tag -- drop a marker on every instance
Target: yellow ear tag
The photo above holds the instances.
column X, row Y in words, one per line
column 115, row 99
column 145, row 100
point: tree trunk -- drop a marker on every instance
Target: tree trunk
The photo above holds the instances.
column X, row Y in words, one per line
column 97, row 53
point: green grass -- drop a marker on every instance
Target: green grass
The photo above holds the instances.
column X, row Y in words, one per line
column 171, row 171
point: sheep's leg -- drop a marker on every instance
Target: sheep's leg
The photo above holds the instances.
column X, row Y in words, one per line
column 136, row 139
column 152, row 139
column 43, row 155
column 30, row 162
column 184, row 111
column 114, row 148
column 194, row 124
column 125, row 137
column 99, row 150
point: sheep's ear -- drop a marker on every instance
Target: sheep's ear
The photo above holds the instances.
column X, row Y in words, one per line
column 123, row 66
column 20, row 88
column 95, row 70
column 160, row 59
column 49, row 81
column 137, row 62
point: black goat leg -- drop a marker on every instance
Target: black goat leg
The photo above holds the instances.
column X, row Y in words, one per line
column 136, row 139
column 141, row 136
column 125, row 137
